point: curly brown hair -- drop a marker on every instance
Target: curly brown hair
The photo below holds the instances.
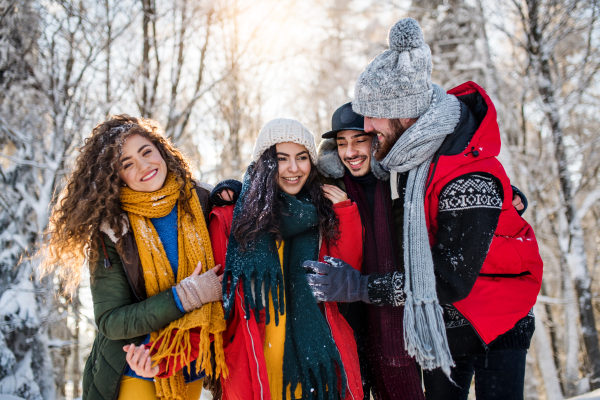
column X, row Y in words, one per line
column 91, row 196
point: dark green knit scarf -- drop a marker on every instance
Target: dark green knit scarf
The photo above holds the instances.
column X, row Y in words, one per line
column 311, row 357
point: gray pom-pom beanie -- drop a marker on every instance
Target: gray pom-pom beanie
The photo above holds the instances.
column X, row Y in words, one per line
column 397, row 83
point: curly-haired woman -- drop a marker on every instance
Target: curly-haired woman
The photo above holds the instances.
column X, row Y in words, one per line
column 132, row 211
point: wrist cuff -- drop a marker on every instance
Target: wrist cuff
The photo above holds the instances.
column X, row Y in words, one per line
column 386, row 289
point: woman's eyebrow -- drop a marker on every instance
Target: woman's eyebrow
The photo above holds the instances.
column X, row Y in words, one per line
column 140, row 149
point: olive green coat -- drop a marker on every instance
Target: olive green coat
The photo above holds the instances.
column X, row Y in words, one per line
column 122, row 312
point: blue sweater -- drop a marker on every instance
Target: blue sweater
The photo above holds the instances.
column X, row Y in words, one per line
column 166, row 227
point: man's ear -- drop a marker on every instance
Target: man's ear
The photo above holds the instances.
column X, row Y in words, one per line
column 407, row 122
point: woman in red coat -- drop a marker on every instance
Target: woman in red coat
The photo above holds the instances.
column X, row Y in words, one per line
column 279, row 342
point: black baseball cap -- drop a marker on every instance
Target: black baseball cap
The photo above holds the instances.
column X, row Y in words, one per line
column 344, row 119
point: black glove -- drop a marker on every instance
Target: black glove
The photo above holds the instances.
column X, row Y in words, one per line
column 336, row 280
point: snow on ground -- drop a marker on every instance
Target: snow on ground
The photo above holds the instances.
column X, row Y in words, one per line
column 595, row 395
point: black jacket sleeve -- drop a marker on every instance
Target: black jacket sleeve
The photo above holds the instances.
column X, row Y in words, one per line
column 469, row 209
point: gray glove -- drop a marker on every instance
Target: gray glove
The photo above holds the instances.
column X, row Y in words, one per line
column 336, row 280
column 194, row 291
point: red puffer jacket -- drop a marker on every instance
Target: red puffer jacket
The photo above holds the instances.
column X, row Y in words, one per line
column 510, row 279
column 244, row 338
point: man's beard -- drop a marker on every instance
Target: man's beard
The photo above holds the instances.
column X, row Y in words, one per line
column 382, row 149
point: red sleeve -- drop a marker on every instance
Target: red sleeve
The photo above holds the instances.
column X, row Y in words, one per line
column 218, row 240
column 218, row 229
column 349, row 247
column 342, row 204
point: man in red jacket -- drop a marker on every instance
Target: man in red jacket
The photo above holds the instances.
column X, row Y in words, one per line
column 471, row 268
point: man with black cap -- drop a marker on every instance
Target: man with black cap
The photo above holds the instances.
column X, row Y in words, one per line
column 450, row 270
column 346, row 156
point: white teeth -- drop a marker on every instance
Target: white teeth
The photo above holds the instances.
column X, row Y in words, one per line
column 292, row 179
column 356, row 162
column 150, row 175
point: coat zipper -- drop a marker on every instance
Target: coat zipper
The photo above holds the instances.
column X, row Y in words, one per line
column 253, row 352
column 338, row 351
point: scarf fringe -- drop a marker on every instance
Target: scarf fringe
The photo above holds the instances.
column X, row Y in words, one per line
column 312, row 379
column 176, row 346
column 425, row 334
column 193, row 246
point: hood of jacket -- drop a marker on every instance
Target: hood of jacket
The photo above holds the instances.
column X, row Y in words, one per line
column 477, row 134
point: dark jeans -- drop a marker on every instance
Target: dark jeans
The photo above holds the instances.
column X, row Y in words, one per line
column 502, row 378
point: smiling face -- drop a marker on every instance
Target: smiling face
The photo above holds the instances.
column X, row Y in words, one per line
column 388, row 131
column 142, row 167
column 294, row 166
column 354, row 149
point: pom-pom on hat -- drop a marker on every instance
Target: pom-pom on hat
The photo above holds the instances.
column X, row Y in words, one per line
column 397, row 83
column 283, row 130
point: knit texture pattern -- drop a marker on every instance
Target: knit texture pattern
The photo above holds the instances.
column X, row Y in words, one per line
column 166, row 228
column 193, row 246
column 397, row 83
column 311, row 357
column 284, row 130
column 424, row 330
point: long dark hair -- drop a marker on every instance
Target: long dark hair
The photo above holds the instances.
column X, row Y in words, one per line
column 262, row 207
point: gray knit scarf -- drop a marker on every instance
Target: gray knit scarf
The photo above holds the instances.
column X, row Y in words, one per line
column 424, row 331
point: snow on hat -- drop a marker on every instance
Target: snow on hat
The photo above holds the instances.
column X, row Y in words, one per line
column 397, row 83
column 282, row 130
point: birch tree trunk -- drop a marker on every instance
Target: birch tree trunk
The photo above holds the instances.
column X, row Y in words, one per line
column 539, row 49
column 543, row 351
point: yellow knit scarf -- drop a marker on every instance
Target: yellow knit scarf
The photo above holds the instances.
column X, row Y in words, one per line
column 193, row 246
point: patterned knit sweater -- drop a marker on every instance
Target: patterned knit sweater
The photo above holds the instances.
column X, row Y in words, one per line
column 469, row 210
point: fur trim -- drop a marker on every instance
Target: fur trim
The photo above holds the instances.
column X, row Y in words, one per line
column 104, row 227
column 330, row 165
column 328, row 160
column 206, row 186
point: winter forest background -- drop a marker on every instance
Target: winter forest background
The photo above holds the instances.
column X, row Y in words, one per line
column 214, row 71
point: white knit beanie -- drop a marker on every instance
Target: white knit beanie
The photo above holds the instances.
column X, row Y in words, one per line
column 282, row 130
column 397, row 83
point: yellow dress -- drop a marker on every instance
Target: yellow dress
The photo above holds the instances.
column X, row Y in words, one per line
column 273, row 349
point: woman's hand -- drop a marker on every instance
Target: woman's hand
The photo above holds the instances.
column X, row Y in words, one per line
column 199, row 289
column 216, row 270
column 226, row 195
column 139, row 361
column 517, row 202
column 334, row 194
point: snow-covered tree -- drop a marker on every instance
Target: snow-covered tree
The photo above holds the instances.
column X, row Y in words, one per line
column 47, row 102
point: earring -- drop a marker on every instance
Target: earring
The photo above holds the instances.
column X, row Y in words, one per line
column 124, row 184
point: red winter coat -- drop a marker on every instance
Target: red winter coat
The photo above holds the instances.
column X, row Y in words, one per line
column 510, row 279
column 244, row 338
